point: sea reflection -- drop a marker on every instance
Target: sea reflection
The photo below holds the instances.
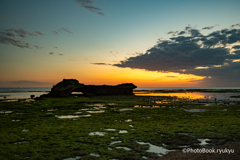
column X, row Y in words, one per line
column 191, row 95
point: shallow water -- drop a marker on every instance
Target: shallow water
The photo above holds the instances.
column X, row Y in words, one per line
column 20, row 142
column 95, row 154
column 195, row 110
column 114, row 142
column 6, row 112
column 20, row 95
column 110, row 129
column 96, row 105
column 125, row 148
column 72, row 116
column 155, row 149
column 71, row 158
column 203, row 141
column 97, row 133
column 126, row 109
column 123, row 131
column 101, row 111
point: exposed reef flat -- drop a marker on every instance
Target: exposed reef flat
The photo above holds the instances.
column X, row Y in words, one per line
column 37, row 130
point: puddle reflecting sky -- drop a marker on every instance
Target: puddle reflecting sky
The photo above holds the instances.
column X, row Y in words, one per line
column 71, row 116
column 97, row 133
column 101, row 111
column 155, row 149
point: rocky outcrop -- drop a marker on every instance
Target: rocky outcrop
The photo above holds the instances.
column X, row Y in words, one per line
column 121, row 89
column 67, row 86
column 64, row 88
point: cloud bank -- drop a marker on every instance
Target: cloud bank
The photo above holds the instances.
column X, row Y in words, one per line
column 214, row 56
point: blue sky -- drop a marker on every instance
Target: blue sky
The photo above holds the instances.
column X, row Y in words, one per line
column 56, row 39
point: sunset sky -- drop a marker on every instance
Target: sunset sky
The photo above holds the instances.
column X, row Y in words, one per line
column 151, row 43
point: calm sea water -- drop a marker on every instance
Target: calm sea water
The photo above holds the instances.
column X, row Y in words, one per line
column 181, row 88
column 22, row 93
column 12, row 90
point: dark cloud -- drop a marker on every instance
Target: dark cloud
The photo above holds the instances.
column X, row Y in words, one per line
column 187, row 28
column 52, row 53
column 172, row 32
column 195, row 54
column 181, row 33
column 5, row 39
column 100, row 63
column 236, row 47
column 208, row 27
column 235, row 25
column 60, row 30
column 11, row 36
column 55, row 32
column 195, row 33
column 20, row 32
column 37, row 47
column 39, row 33
column 88, row 4
column 65, row 29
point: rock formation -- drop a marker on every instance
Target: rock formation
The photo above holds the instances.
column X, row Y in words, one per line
column 64, row 88
column 67, row 86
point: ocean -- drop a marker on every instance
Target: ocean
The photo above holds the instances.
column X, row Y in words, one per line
column 183, row 88
column 23, row 93
column 12, row 90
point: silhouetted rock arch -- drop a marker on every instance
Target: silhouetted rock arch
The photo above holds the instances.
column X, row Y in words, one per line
column 67, row 86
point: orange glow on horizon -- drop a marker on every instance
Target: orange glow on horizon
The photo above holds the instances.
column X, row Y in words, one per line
column 140, row 78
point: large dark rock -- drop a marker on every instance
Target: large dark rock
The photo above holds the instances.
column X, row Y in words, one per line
column 64, row 88
column 121, row 89
column 67, row 86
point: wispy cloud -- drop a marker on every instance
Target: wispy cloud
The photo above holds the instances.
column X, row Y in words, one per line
column 26, row 83
column 234, row 25
column 211, row 27
column 2, row 17
column 100, row 63
column 64, row 29
column 194, row 54
column 52, row 53
column 54, row 32
column 40, row 33
column 10, row 36
column 88, row 4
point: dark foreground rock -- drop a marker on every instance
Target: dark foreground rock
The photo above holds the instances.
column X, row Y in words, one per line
column 67, row 86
